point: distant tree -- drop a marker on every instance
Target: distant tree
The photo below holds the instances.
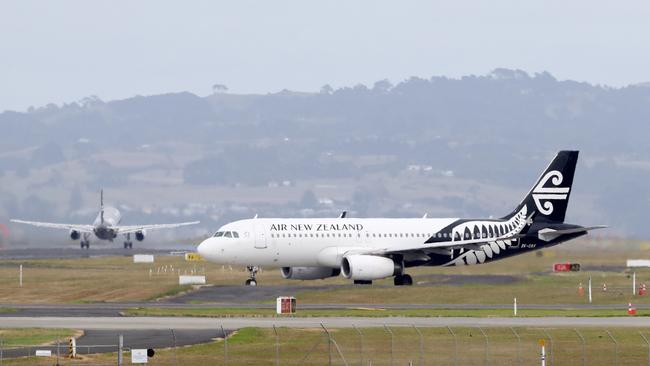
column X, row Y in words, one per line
column 326, row 89
column 219, row 88
column 382, row 86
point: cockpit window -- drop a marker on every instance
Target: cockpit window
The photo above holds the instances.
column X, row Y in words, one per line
column 218, row 234
column 228, row 234
column 235, row 234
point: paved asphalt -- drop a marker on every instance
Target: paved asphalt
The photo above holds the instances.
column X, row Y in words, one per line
column 141, row 323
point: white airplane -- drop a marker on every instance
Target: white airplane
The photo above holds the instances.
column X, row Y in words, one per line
column 364, row 250
column 106, row 227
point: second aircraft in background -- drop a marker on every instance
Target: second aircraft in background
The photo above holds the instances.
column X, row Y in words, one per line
column 106, row 227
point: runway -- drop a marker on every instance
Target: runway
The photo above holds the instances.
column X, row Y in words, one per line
column 139, row 323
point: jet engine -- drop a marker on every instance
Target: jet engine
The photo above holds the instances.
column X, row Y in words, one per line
column 369, row 267
column 74, row 234
column 309, row 273
column 139, row 235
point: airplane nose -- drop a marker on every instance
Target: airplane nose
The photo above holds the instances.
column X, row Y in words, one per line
column 202, row 249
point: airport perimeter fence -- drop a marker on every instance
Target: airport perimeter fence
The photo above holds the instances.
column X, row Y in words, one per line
column 388, row 345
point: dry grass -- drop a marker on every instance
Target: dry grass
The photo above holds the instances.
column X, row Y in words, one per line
column 118, row 279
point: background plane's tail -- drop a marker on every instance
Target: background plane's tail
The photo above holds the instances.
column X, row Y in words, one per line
column 101, row 205
column 549, row 197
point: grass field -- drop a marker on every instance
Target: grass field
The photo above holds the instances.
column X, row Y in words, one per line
column 253, row 346
column 33, row 336
column 527, row 277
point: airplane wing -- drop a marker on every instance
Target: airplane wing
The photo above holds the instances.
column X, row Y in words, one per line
column 79, row 228
column 135, row 228
column 477, row 243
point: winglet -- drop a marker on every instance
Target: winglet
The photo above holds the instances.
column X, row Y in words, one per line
column 343, row 215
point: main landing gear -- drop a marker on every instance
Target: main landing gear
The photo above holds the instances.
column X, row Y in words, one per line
column 85, row 241
column 128, row 244
column 403, row 280
column 252, row 272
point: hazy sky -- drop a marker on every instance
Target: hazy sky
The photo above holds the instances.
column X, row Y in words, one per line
column 62, row 51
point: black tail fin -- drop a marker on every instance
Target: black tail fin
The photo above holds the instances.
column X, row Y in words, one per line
column 549, row 197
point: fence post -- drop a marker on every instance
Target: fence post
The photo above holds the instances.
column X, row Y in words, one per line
column 455, row 346
column 329, row 345
column 518, row 345
column 487, row 347
column 277, row 346
column 174, row 343
column 225, row 346
column 615, row 347
column 584, row 354
column 648, row 344
column 57, row 347
column 392, row 344
column 551, row 350
column 120, row 345
column 421, row 358
column 360, row 345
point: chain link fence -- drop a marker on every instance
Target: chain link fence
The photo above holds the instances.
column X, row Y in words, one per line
column 387, row 345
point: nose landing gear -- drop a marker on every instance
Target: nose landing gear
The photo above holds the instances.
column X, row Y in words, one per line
column 252, row 272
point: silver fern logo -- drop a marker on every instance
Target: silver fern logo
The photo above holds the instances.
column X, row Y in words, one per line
column 543, row 196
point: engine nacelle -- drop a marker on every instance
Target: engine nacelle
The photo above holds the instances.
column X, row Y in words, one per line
column 74, row 234
column 140, row 235
column 369, row 267
column 309, row 273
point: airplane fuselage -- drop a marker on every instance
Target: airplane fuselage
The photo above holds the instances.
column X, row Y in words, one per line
column 103, row 227
column 324, row 242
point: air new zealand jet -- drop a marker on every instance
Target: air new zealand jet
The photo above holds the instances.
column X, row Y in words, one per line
column 364, row 250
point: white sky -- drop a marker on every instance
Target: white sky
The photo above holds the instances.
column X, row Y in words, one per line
column 62, row 51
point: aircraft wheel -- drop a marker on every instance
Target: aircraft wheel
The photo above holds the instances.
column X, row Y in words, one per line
column 362, row 282
column 251, row 282
column 407, row 280
column 403, row 280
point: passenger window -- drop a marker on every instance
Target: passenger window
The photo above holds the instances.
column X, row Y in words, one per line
column 228, row 234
